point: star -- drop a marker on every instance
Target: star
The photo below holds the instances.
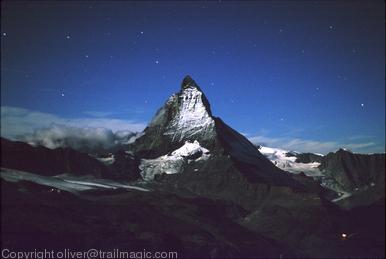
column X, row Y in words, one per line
column 331, row 27
column 282, row 119
column 212, row 84
column 157, row 62
column 141, row 32
column 62, row 94
column 362, row 104
column 317, row 88
column 4, row 34
column 86, row 56
column 68, row 36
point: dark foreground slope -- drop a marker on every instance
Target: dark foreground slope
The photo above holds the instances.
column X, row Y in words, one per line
column 51, row 162
column 131, row 221
column 34, row 217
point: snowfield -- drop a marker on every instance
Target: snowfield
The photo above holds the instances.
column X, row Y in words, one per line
column 280, row 158
column 286, row 161
column 192, row 118
column 173, row 162
column 66, row 183
column 106, row 160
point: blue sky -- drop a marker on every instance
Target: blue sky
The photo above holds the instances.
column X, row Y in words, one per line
column 302, row 75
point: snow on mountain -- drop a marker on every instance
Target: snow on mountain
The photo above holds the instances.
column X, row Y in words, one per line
column 172, row 163
column 192, row 117
column 286, row 161
column 65, row 182
column 109, row 160
column 186, row 116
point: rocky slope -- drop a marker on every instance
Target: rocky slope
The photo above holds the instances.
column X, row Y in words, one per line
column 186, row 118
column 353, row 171
column 356, row 179
column 51, row 162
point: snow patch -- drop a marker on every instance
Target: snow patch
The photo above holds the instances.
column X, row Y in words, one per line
column 287, row 162
column 66, row 183
column 173, row 162
column 282, row 159
column 342, row 195
column 192, row 117
column 107, row 160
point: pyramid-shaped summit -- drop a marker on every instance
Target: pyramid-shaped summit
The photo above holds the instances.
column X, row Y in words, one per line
column 188, row 82
column 186, row 118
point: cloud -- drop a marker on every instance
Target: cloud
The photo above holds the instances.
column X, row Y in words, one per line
column 314, row 146
column 54, row 131
column 359, row 145
column 84, row 139
column 98, row 114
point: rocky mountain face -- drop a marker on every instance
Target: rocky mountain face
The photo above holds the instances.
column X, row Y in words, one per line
column 348, row 179
column 360, row 176
column 352, row 171
column 308, row 158
column 223, row 163
column 186, row 116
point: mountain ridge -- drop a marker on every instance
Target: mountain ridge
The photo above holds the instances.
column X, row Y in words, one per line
column 186, row 116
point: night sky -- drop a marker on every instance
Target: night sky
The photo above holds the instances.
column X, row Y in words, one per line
column 301, row 75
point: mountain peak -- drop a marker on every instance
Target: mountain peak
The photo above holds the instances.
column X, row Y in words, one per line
column 188, row 82
column 186, row 116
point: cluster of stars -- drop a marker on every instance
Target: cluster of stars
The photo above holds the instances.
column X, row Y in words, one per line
column 213, row 52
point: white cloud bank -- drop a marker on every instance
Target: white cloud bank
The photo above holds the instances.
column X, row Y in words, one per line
column 54, row 131
column 313, row 146
column 93, row 132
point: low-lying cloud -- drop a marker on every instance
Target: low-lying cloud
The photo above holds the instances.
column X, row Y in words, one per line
column 95, row 133
column 53, row 131
column 84, row 139
column 314, row 146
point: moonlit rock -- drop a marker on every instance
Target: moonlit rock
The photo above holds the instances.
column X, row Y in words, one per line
column 191, row 118
column 280, row 158
column 173, row 162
